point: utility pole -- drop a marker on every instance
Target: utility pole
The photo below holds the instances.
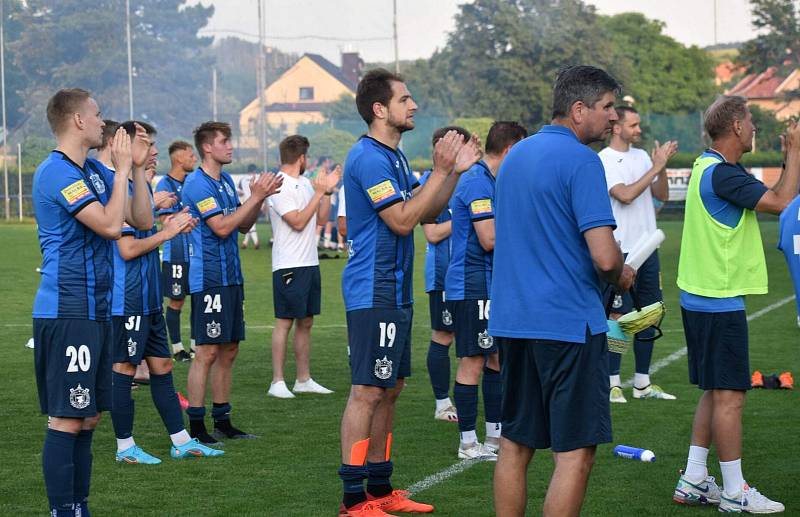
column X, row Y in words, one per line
column 3, row 91
column 214, row 93
column 130, row 60
column 394, row 29
column 260, row 69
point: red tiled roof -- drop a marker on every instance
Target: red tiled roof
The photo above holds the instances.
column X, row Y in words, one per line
column 763, row 85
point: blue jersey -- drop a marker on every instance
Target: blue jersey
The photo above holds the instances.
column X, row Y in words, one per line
column 550, row 190
column 469, row 276
column 137, row 286
column 77, row 263
column 175, row 250
column 789, row 243
column 213, row 262
column 437, row 256
column 380, row 269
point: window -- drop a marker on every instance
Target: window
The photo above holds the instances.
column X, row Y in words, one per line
column 306, row 93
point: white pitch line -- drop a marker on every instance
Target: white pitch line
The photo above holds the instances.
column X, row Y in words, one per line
column 443, row 475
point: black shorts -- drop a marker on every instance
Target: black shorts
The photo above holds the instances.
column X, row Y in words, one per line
column 648, row 291
column 555, row 394
column 137, row 337
column 218, row 315
column 441, row 312
column 72, row 359
column 472, row 328
column 718, row 349
column 296, row 292
column 175, row 280
column 379, row 346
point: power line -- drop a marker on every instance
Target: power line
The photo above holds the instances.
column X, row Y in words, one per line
column 297, row 37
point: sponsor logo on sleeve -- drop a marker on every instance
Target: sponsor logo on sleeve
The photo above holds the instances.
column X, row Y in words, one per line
column 381, row 191
column 481, row 206
column 75, row 192
column 207, row 205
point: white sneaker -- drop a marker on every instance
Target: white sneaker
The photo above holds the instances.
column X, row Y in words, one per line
column 279, row 390
column 749, row 500
column 693, row 494
column 652, row 391
column 30, row 344
column 475, row 450
column 492, row 444
column 447, row 414
column 617, row 396
column 310, row 386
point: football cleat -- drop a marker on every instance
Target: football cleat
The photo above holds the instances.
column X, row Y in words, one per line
column 447, row 414
column 398, row 501
column 365, row 509
column 616, row 395
column 694, row 494
column 182, row 356
column 135, row 455
column 653, row 391
column 193, row 449
column 749, row 500
column 474, row 451
column 757, row 379
column 786, row 380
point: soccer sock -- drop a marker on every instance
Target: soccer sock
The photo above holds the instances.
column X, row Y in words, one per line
column 174, row 328
column 466, row 398
column 354, row 473
column 197, row 417
column 221, row 413
column 614, row 362
column 166, row 401
column 439, row 369
column 696, row 469
column 82, row 478
column 492, row 401
column 378, row 478
column 58, row 465
column 641, row 380
column 643, row 352
column 122, row 409
column 614, row 380
column 732, row 477
column 180, row 438
column 442, row 404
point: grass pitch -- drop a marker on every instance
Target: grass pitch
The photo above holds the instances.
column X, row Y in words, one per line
column 291, row 469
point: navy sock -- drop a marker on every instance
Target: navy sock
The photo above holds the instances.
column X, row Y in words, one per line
column 221, row 412
column 122, row 405
column 197, row 417
column 166, row 401
column 379, row 478
column 492, row 395
column 614, row 362
column 353, row 477
column 174, row 325
column 82, row 458
column 439, row 369
column 466, row 398
column 59, row 471
column 643, row 351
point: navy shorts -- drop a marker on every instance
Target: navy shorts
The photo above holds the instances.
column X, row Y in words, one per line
column 218, row 315
column 379, row 345
column 441, row 312
column 72, row 359
column 296, row 292
column 137, row 337
column 175, row 280
column 555, row 394
column 648, row 291
column 472, row 328
column 718, row 349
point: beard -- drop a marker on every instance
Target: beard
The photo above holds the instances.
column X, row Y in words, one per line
column 401, row 125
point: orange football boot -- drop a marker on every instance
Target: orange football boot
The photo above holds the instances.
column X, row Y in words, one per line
column 757, row 380
column 787, row 382
column 365, row 509
column 398, row 501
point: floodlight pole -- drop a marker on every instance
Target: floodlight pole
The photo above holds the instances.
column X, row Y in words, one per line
column 260, row 70
column 394, row 29
column 19, row 178
column 214, row 93
column 3, row 92
column 130, row 63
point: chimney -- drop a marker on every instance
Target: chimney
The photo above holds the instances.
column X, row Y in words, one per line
column 352, row 66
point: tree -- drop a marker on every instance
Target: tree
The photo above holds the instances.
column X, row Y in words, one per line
column 779, row 41
column 332, row 142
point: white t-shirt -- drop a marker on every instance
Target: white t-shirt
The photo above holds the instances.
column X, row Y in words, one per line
column 291, row 248
column 639, row 217
column 341, row 211
column 244, row 186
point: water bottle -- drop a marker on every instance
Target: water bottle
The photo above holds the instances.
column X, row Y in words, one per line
column 634, row 453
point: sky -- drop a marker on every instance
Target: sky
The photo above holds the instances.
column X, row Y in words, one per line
column 328, row 27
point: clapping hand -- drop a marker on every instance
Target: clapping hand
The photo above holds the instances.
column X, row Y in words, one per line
column 662, row 153
column 164, row 200
column 326, row 180
column 469, row 154
column 266, row 184
column 445, row 152
column 121, row 152
column 140, row 148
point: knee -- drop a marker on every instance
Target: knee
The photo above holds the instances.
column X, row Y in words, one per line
column 305, row 324
column 442, row 337
column 159, row 365
column 229, row 353
column 124, row 368
column 493, row 362
column 728, row 400
column 470, row 368
column 90, row 423
column 392, row 394
column 367, row 395
column 206, row 355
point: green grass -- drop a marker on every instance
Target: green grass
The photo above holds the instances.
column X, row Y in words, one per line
column 291, row 469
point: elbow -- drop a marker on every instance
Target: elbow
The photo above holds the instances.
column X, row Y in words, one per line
column 126, row 254
column 112, row 234
column 404, row 230
column 608, row 264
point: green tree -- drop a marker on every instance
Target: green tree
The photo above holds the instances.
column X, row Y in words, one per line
column 778, row 22
column 332, row 142
column 769, row 129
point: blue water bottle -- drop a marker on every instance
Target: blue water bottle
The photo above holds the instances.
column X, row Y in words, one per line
column 634, row 453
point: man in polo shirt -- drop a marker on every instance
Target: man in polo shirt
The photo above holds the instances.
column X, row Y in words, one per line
column 468, row 283
column 722, row 261
column 554, row 251
column 296, row 283
column 634, row 179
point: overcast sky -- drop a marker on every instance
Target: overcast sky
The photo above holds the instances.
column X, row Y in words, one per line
column 329, row 26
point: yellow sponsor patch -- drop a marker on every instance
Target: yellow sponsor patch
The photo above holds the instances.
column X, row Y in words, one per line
column 481, row 206
column 381, row 191
column 75, row 192
column 207, row 205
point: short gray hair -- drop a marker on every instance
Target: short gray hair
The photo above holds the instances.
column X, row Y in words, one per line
column 720, row 116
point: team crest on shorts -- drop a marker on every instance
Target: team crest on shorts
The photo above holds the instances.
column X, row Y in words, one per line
column 447, row 318
column 617, row 301
column 79, row 397
column 99, row 186
column 213, row 329
column 485, row 341
column 176, row 289
column 131, row 347
column 383, row 368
